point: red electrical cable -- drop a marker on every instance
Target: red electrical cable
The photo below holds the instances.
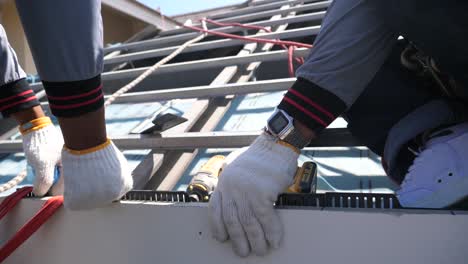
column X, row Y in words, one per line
column 48, row 209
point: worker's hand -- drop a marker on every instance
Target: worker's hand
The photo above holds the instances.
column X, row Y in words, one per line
column 241, row 208
column 42, row 148
column 95, row 177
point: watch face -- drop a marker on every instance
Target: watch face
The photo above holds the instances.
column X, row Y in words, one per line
column 278, row 123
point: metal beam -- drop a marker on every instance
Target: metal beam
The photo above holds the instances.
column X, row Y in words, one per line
column 299, row 8
column 255, row 16
column 201, row 64
column 259, row 8
column 207, row 63
column 208, row 91
column 266, row 2
column 210, row 63
column 293, row 33
column 333, row 137
column 162, row 41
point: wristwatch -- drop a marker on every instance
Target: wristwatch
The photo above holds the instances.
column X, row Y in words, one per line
column 281, row 125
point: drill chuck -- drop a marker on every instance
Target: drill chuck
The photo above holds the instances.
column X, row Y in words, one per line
column 205, row 180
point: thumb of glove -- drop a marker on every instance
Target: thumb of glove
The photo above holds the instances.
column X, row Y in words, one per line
column 57, row 187
column 44, row 178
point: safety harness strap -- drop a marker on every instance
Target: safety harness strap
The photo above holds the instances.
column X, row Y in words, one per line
column 47, row 210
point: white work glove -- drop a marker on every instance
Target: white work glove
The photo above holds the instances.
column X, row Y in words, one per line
column 241, row 208
column 42, row 148
column 95, row 177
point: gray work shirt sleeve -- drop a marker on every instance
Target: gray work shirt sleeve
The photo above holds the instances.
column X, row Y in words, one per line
column 10, row 70
column 352, row 45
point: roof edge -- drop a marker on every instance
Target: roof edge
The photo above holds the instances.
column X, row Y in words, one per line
column 142, row 12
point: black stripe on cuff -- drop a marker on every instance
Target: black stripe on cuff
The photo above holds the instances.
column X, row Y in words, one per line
column 312, row 105
column 59, row 89
column 10, row 95
column 71, row 99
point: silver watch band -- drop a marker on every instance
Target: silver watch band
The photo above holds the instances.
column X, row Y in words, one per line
column 296, row 139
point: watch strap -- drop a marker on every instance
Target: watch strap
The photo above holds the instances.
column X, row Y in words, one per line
column 296, row 139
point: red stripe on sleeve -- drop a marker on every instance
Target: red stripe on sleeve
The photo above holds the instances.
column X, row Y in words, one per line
column 305, row 111
column 3, row 108
column 312, row 103
column 76, row 105
column 62, row 98
column 16, row 95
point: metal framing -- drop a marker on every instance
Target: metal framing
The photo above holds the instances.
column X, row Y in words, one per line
column 162, row 41
column 293, row 33
column 260, row 15
column 299, row 8
column 202, row 64
column 208, row 91
column 260, row 8
column 333, row 137
column 207, row 63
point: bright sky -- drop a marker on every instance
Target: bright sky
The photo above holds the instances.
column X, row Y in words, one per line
column 175, row 7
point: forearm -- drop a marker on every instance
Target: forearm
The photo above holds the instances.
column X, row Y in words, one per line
column 16, row 97
column 314, row 107
column 69, row 64
column 29, row 114
column 352, row 45
column 71, row 74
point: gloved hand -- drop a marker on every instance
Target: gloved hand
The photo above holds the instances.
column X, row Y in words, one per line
column 241, row 208
column 42, row 146
column 95, row 177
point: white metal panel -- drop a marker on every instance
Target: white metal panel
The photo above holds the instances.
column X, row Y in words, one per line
column 149, row 233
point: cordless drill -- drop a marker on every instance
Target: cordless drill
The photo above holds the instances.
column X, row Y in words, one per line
column 205, row 180
column 305, row 180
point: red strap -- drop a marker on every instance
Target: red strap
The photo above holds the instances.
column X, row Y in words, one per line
column 47, row 210
column 290, row 61
column 251, row 39
column 290, row 46
column 11, row 201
